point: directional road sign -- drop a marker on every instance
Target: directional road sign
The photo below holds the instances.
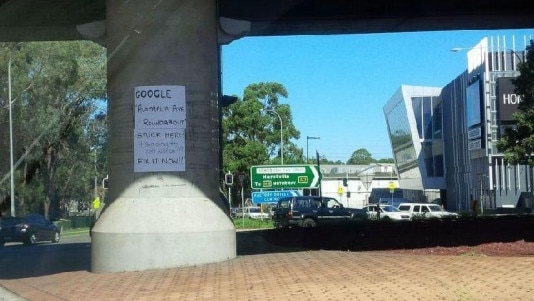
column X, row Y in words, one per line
column 284, row 176
column 261, row 197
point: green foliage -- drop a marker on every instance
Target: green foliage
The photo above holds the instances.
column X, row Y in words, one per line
column 386, row 160
column 57, row 88
column 323, row 160
column 517, row 143
column 249, row 223
column 361, row 157
column 251, row 130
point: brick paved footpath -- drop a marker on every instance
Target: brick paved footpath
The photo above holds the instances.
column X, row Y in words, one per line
column 304, row 275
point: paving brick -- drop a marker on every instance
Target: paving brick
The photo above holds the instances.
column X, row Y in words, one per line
column 306, row 275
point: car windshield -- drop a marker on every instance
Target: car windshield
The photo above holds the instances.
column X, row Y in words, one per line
column 331, row 203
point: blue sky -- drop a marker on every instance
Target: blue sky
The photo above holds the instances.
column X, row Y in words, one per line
column 338, row 84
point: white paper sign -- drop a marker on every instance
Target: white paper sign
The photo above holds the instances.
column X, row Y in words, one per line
column 159, row 134
column 159, row 150
column 159, row 107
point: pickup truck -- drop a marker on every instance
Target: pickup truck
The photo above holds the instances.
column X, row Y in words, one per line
column 311, row 211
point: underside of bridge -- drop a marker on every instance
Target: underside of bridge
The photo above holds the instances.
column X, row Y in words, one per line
column 33, row 20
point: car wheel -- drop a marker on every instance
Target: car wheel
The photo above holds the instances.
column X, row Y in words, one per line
column 309, row 223
column 56, row 238
column 386, row 219
column 31, row 240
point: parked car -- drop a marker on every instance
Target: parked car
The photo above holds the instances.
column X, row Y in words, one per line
column 395, row 202
column 29, row 230
column 426, row 210
column 311, row 211
column 256, row 213
column 250, row 212
column 387, row 212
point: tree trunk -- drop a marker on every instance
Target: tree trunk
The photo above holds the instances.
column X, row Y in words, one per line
column 50, row 206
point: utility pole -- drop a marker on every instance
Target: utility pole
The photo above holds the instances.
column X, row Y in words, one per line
column 11, row 141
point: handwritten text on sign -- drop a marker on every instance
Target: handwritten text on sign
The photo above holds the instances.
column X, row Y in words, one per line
column 160, row 107
column 159, row 135
column 159, row 150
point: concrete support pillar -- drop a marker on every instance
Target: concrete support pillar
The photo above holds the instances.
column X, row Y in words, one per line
column 163, row 219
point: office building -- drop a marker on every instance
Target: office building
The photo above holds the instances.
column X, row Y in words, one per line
column 444, row 139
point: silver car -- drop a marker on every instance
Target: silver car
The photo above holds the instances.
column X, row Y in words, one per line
column 387, row 212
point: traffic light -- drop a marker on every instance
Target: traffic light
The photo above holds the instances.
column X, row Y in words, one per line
column 345, row 182
column 229, row 179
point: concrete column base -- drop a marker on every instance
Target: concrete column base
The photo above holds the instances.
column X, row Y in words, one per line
column 147, row 233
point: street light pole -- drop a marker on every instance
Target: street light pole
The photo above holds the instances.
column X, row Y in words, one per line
column 307, row 139
column 96, row 176
column 12, row 174
column 520, row 59
column 281, row 137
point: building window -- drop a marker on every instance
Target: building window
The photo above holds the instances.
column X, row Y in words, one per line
column 401, row 137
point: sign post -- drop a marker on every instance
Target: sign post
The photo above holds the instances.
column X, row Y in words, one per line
column 391, row 190
column 229, row 181
column 284, row 176
column 266, row 197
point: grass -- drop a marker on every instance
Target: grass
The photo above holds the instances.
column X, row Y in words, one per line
column 248, row 223
column 239, row 224
column 74, row 231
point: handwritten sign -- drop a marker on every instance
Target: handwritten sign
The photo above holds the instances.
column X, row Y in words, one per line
column 160, row 107
column 159, row 134
column 159, row 150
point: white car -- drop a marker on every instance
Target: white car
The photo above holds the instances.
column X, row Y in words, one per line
column 251, row 212
column 387, row 212
column 426, row 210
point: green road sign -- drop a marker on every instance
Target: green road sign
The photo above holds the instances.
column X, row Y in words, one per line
column 284, row 176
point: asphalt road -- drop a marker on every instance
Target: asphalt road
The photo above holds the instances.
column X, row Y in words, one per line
column 73, row 253
column 335, row 269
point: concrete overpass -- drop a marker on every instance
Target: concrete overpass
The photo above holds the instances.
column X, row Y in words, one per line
column 30, row 20
column 163, row 89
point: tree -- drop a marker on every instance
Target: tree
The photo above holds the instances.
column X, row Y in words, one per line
column 361, row 157
column 56, row 89
column 251, row 133
column 517, row 142
column 386, row 160
column 252, row 130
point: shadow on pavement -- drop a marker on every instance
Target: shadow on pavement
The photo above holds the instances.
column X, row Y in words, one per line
column 374, row 236
column 18, row 261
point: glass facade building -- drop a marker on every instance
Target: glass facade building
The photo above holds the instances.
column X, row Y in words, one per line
column 445, row 139
column 414, row 120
